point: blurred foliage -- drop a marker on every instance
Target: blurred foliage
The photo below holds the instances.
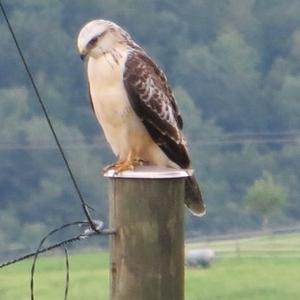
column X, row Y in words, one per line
column 265, row 196
column 234, row 66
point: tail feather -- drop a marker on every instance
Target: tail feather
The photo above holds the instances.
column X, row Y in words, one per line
column 193, row 197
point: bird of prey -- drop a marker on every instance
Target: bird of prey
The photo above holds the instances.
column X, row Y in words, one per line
column 134, row 104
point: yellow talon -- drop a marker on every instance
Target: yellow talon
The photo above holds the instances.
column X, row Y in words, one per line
column 123, row 165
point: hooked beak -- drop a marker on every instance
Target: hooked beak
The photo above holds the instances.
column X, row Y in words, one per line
column 83, row 53
column 83, row 56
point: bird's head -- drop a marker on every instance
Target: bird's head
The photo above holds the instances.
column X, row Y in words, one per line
column 99, row 37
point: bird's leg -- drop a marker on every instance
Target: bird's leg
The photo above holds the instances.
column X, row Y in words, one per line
column 128, row 164
column 123, row 165
column 112, row 166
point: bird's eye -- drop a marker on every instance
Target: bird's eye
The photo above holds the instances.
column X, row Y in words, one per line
column 93, row 41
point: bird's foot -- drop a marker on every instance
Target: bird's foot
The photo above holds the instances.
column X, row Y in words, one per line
column 121, row 166
column 111, row 166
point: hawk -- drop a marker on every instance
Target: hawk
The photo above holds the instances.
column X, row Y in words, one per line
column 134, row 104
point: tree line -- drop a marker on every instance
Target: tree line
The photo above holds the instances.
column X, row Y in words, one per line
column 234, row 67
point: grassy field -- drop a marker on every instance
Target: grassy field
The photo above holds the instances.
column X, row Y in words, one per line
column 283, row 245
column 229, row 278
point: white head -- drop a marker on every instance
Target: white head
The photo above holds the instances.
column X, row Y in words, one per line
column 99, row 37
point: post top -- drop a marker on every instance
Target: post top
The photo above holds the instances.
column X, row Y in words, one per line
column 150, row 172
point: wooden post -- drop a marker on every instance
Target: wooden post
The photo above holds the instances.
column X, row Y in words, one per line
column 147, row 251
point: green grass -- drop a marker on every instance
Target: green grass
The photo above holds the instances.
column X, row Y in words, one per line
column 243, row 277
column 88, row 278
column 284, row 245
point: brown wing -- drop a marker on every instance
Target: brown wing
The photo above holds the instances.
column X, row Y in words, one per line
column 153, row 101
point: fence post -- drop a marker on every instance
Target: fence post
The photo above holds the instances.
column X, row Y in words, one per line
column 147, row 251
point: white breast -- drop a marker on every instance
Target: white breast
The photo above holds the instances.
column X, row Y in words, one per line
column 109, row 98
column 122, row 128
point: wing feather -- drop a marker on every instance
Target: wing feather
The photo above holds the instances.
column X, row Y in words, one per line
column 153, row 101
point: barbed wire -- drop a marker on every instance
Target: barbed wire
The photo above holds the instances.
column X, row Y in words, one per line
column 67, row 280
column 61, row 151
column 215, row 141
column 88, row 232
column 93, row 227
column 282, row 137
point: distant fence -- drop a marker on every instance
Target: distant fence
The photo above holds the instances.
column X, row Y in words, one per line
column 279, row 242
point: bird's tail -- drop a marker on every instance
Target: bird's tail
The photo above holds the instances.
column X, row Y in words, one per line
column 193, row 197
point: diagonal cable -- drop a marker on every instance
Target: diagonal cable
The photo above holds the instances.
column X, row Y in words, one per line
column 61, row 151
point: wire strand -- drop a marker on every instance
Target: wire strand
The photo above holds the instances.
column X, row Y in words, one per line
column 59, row 146
column 67, row 280
column 87, row 233
column 57, row 245
column 37, row 254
